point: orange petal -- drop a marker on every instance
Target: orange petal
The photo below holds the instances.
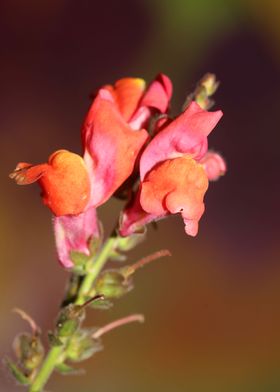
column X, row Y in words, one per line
column 26, row 173
column 127, row 93
column 111, row 147
column 176, row 185
column 66, row 186
column 64, row 181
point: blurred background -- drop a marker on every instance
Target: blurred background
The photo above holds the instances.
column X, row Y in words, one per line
column 212, row 310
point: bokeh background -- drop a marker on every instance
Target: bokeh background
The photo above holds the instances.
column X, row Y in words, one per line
column 212, row 310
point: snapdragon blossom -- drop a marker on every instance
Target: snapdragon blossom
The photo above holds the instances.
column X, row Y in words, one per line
column 113, row 134
column 174, row 172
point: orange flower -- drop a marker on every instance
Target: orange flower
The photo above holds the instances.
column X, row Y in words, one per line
column 113, row 135
column 64, row 181
column 174, row 171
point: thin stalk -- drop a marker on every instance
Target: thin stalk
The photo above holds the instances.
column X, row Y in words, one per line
column 54, row 353
column 118, row 323
column 99, row 263
column 46, row 369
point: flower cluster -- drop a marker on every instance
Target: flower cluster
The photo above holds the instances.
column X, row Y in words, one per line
column 129, row 139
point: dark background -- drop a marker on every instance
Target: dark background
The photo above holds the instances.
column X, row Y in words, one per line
column 212, row 310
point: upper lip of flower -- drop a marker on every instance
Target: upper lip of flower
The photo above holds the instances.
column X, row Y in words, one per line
column 165, row 188
column 186, row 134
column 113, row 133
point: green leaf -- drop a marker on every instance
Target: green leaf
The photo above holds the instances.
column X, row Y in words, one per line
column 65, row 369
column 115, row 255
column 69, row 320
column 112, row 284
column 54, row 340
column 16, row 372
column 29, row 350
column 96, row 242
column 104, row 304
column 124, row 244
column 82, row 346
column 80, row 261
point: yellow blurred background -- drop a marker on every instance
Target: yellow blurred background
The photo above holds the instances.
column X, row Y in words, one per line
column 212, row 310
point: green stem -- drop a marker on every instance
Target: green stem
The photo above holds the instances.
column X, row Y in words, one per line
column 46, row 369
column 99, row 263
column 52, row 358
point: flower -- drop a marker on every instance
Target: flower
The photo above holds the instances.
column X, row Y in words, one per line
column 66, row 191
column 74, row 233
column 174, row 171
column 64, row 181
column 214, row 165
column 113, row 135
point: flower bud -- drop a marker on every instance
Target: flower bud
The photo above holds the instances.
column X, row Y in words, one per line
column 125, row 244
column 210, row 83
column 16, row 372
column 112, row 284
column 206, row 87
column 81, row 346
column 69, row 320
column 29, row 350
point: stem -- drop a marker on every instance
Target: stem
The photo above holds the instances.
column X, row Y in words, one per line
column 46, row 369
column 95, row 270
column 26, row 317
column 117, row 323
column 127, row 271
column 54, row 353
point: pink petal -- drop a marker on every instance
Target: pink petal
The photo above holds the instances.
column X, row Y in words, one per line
column 187, row 134
column 158, row 94
column 134, row 218
column 176, row 186
column 111, row 147
column 157, row 97
column 191, row 227
column 214, row 165
column 127, row 93
column 73, row 233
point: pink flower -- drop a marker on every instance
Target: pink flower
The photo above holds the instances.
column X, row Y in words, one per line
column 214, row 165
column 174, row 171
column 74, row 233
column 113, row 135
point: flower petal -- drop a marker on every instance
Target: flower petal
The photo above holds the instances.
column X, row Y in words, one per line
column 158, row 94
column 26, row 173
column 187, row 134
column 127, row 93
column 134, row 218
column 214, row 165
column 66, row 185
column 111, row 147
column 64, row 181
column 73, row 233
column 176, row 186
column 157, row 97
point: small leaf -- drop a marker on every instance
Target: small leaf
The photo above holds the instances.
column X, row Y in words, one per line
column 124, row 244
column 54, row 340
column 29, row 350
column 80, row 261
column 117, row 256
column 112, row 284
column 65, row 369
column 81, row 346
column 104, row 304
column 96, row 242
column 69, row 320
column 16, row 372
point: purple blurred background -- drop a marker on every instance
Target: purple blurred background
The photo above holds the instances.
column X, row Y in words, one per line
column 212, row 310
